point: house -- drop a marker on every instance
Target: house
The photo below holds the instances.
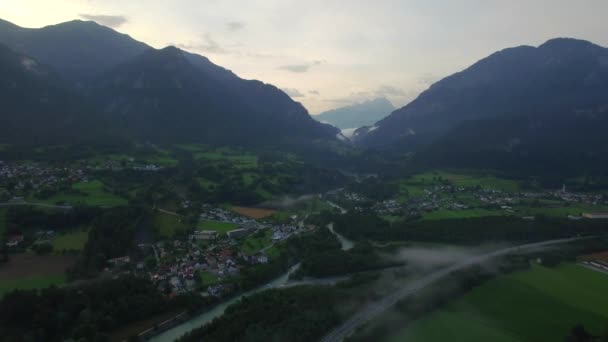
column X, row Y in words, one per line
column 205, row 235
column 596, row 216
column 262, row 259
column 238, row 233
column 14, row 240
column 120, row 261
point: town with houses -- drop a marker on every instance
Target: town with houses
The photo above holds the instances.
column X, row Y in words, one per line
column 207, row 261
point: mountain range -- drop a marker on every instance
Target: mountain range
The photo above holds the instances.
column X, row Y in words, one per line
column 358, row 114
column 144, row 93
column 545, row 105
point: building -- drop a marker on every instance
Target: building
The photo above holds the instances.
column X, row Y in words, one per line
column 595, row 216
column 205, row 235
column 238, row 233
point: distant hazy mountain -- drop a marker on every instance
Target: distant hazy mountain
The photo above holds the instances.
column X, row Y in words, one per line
column 524, row 107
column 37, row 107
column 164, row 94
column 357, row 115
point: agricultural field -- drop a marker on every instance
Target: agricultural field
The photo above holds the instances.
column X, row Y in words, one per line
column 602, row 256
column 73, row 241
column 559, row 211
column 29, row 283
column 540, row 304
column 28, row 271
column 240, row 159
column 255, row 213
column 90, row 193
column 220, row 227
column 445, row 214
column 415, row 185
column 158, row 157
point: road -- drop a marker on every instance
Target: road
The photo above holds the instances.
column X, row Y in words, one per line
column 64, row 207
column 375, row 309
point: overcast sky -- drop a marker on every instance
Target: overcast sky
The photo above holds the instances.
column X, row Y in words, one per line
column 329, row 53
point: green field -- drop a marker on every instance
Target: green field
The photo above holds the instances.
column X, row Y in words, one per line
column 208, row 278
column 254, row 243
column 73, row 241
column 415, row 185
column 220, row 227
column 37, row 282
column 205, row 183
column 559, row 211
column 444, row 214
column 168, row 225
column 91, row 193
column 541, row 304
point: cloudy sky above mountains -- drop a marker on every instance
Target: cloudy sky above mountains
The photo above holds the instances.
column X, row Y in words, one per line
column 330, row 53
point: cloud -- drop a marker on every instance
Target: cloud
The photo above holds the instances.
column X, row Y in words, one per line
column 300, row 68
column 426, row 79
column 113, row 21
column 234, row 26
column 314, row 92
column 209, row 45
column 387, row 90
column 292, row 92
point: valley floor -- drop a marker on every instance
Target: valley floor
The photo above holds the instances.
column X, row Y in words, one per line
column 541, row 304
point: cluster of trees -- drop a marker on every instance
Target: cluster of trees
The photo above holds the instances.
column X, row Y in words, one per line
column 580, row 334
column 296, row 314
column 362, row 257
column 111, row 235
column 20, row 218
column 87, row 313
column 463, row 231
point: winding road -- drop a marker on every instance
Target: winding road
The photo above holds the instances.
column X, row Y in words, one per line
column 375, row 309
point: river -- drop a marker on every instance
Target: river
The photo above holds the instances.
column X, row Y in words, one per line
column 204, row 318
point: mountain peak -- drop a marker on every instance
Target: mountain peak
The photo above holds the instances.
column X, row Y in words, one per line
column 567, row 43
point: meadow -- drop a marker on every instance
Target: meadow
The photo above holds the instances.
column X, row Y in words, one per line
column 256, row 242
column 540, row 304
column 445, row 214
column 415, row 185
column 168, row 225
column 72, row 241
column 29, row 283
column 220, row 227
column 91, row 193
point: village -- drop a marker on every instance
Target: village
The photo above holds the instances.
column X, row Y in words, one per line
column 446, row 197
column 208, row 261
